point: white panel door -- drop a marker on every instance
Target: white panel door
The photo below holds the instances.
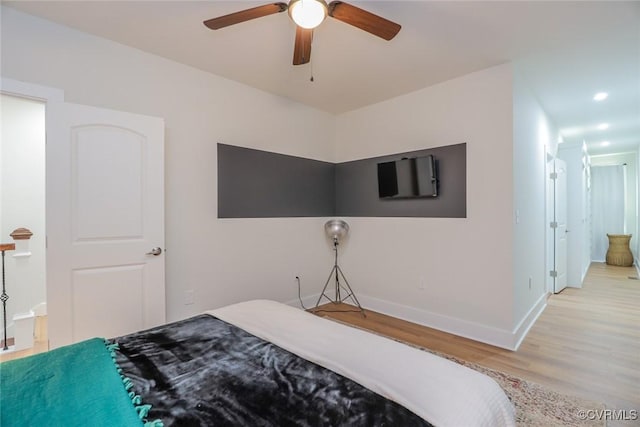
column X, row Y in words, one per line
column 105, row 217
column 560, row 218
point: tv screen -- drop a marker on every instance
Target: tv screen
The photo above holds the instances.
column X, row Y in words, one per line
column 408, row 178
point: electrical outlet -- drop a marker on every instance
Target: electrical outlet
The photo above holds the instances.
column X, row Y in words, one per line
column 189, row 297
column 530, row 283
column 421, row 283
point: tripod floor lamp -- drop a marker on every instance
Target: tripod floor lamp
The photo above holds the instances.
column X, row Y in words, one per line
column 337, row 229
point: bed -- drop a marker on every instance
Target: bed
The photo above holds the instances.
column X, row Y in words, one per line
column 256, row 363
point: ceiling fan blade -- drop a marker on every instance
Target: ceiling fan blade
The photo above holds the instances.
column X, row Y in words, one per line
column 302, row 47
column 245, row 15
column 364, row 20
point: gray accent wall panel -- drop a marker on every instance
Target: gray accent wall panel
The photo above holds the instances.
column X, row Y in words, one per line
column 261, row 184
column 357, row 187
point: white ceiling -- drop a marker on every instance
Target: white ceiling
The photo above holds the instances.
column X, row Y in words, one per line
column 567, row 52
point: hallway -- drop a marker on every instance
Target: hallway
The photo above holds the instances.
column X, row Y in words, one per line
column 588, row 340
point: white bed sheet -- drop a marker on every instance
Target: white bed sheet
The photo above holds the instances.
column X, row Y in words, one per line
column 440, row 391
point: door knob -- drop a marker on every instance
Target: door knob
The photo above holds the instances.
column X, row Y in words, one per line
column 155, row 252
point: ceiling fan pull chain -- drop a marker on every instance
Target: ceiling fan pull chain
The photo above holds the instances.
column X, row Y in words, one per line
column 311, row 61
column 311, row 69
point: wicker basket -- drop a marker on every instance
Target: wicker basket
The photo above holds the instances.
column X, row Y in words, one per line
column 619, row 252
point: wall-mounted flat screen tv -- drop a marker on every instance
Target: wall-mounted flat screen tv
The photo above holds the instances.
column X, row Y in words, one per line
column 408, row 178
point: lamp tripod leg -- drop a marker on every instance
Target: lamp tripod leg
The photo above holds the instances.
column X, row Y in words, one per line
column 352, row 294
column 338, row 272
column 338, row 296
column 323, row 293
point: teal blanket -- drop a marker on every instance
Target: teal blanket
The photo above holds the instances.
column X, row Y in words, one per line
column 77, row 385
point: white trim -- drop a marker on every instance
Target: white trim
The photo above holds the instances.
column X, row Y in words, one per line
column 521, row 331
column 584, row 273
column 29, row 90
column 40, row 309
column 45, row 94
column 10, row 349
column 509, row 340
column 308, row 301
column 23, row 330
column 25, row 254
column 464, row 328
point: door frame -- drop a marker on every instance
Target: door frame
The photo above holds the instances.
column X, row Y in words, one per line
column 549, row 218
column 560, row 230
column 53, row 99
column 48, row 96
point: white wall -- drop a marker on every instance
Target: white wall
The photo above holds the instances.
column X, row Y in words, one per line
column 631, row 193
column 533, row 133
column 22, row 201
column 466, row 264
column 223, row 261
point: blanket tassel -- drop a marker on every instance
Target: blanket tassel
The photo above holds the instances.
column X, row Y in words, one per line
column 136, row 400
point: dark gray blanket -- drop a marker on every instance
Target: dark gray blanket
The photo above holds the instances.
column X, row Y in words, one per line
column 205, row 372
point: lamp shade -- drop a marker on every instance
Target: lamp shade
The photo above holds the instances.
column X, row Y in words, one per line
column 336, row 228
column 308, row 13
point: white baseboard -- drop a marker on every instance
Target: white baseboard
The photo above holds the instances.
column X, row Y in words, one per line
column 509, row 340
column 308, row 301
column 10, row 349
column 464, row 328
column 584, row 273
column 521, row 331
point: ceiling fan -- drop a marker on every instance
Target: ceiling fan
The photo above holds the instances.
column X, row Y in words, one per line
column 308, row 14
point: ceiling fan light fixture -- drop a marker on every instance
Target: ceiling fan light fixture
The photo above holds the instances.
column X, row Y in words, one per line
column 600, row 96
column 308, row 14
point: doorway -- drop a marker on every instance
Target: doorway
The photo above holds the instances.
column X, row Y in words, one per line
column 103, row 177
column 613, row 202
column 557, row 246
column 22, row 201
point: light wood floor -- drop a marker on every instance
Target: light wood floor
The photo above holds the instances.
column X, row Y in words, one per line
column 586, row 343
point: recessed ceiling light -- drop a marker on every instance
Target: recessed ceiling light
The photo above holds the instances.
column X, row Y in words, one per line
column 600, row 96
column 605, row 143
column 574, row 131
column 603, row 126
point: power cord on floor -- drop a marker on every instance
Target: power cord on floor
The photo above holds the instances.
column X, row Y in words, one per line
column 299, row 296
